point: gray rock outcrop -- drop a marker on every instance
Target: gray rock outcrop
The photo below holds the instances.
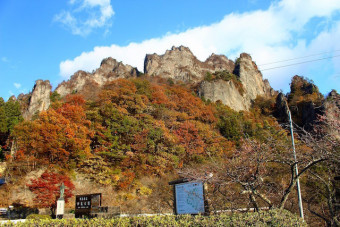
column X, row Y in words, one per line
column 179, row 63
column 225, row 91
column 281, row 108
column 252, row 83
column 39, row 99
column 84, row 82
column 332, row 113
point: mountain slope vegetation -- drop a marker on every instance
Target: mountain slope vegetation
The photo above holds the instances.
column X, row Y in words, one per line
column 137, row 134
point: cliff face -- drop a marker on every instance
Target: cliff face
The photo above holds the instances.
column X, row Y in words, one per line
column 251, row 77
column 39, row 99
column 225, row 91
column 252, row 82
column 180, row 64
column 332, row 112
column 281, row 108
column 87, row 83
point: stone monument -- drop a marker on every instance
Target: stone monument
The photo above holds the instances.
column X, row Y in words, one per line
column 61, row 202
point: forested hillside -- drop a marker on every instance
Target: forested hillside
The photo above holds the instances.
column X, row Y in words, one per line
column 137, row 134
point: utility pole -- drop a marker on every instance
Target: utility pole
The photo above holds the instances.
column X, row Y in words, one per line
column 296, row 167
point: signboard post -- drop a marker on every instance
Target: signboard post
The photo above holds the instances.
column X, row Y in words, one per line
column 189, row 197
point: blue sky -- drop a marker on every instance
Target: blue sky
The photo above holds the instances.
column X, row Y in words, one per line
column 51, row 40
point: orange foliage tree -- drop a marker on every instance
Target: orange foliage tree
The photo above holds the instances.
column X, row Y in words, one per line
column 189, row 138
column 60, row 136
column 188, row 103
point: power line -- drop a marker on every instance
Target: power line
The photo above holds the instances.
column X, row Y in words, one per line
column 291, row 59
column 299, row 63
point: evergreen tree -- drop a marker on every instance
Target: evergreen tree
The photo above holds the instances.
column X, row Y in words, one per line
column 13, row 114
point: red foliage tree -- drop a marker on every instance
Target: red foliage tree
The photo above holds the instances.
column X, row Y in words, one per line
column 47, row 188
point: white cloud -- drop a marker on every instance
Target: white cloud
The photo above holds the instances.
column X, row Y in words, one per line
column 268, row 35
column 86, row 15
column 17, row 85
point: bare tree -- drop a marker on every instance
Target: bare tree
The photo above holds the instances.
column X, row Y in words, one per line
column 264, row 171
column 325, row 141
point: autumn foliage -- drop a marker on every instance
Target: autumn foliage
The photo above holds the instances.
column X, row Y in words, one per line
column 59, row 136
column 134, row 128
column 47, row 188
column 148, row 127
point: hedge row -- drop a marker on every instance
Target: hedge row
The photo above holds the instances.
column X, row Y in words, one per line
column 263, row 218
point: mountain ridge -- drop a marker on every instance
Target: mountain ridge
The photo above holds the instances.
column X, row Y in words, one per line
column 178, row 64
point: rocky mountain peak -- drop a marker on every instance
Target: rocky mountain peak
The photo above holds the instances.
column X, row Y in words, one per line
column 245, row 76
column 108, row 61
column 179, row 63
column 39, row 98
column 88, row 83
column 220, row 62
column 332, row 111
column 251, row 77
column 245, row 56
column 334, row 94
column 181, row 48
column 112, row 65
column 300, row 84
column 238, row 83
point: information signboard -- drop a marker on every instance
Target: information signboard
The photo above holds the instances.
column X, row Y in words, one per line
column 189, row 198
column 85, row 204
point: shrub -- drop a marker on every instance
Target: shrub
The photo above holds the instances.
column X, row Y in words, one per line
column 262, row 218
column 38, row 217
column 208, row 77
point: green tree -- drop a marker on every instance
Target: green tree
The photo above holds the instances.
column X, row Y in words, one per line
column 13, row 114
column 2, row 155
column 229, row 123
column 3, row 120
column 55, row 96
column 10, row 115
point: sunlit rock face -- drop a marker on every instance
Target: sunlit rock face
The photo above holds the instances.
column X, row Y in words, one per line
column 227, row 92
column 85, row 82
column 179, row 63
column 39, row 98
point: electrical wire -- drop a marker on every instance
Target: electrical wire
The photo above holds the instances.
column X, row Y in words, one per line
column 299, row 63
column 291, row 59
